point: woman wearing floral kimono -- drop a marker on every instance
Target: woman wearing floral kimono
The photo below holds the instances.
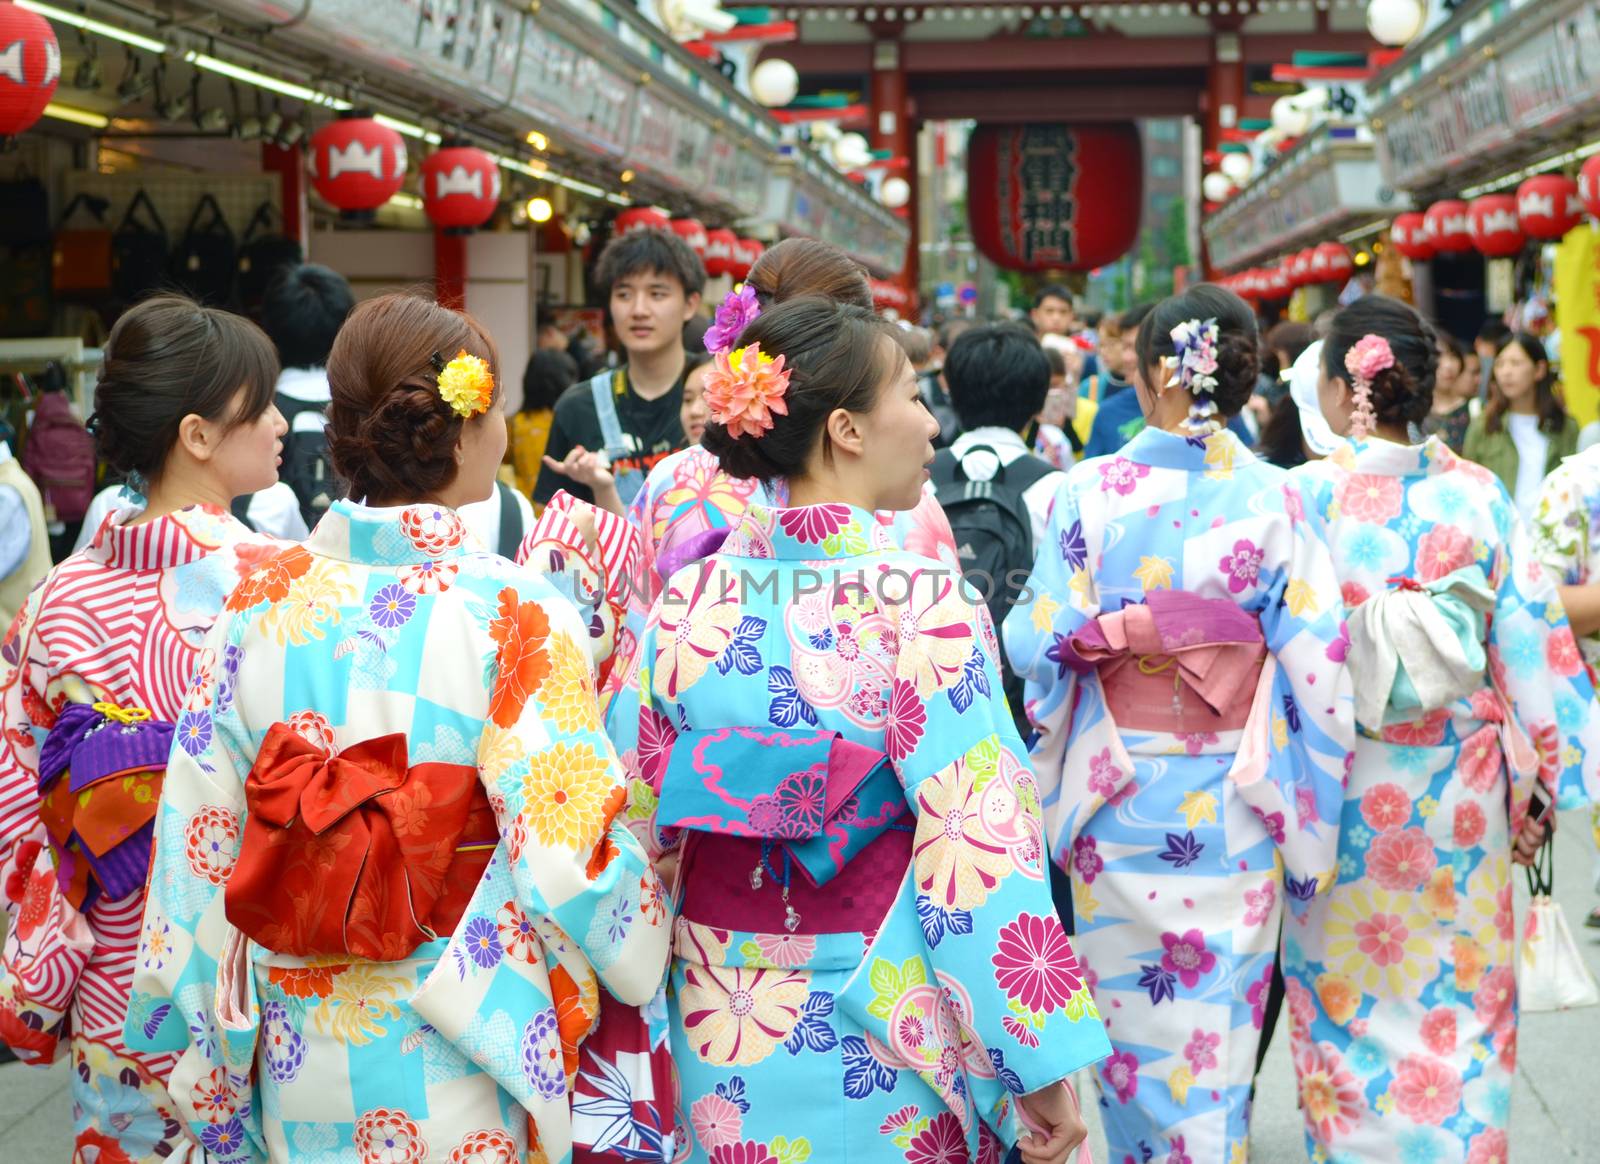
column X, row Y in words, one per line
column 1186, row 673
column 689, row 501
column 1471, row 695
column 868, row 967
column 92, row 681
column 389, row 880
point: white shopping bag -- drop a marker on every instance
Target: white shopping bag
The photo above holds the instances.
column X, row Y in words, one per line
column 1552, row 974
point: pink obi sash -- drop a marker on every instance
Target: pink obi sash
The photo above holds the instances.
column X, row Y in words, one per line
column 1176, row 663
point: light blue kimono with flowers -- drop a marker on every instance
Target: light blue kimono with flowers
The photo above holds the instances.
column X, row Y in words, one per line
column 809, row 687
column 394, row 621
column 1183, row 845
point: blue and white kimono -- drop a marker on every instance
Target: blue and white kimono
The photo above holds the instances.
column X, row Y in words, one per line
column 867, row 963
column 1185, row 827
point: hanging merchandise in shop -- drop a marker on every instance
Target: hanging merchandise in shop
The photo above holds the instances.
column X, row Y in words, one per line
column 30, row 68
column 357, row 164
column 1054, row 197
column 460, row 188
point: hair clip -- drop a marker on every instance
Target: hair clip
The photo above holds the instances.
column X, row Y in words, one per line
column 466, row 384
column 437, row 362
column 1367, row 359
column 745, row 388
column 1194, row 344
column 736, row 312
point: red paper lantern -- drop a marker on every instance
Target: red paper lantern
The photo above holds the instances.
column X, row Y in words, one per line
column 641, row 218
column 746, row 252
column 692, row 231
column 1300, row 268
column 1589, row 186
column 357, row 164
column 1331, row 263
column 1496, row 231
column 1549, row 206
column 30, row 68
column 1278, row 285
column 1409, row 233
column 1449, row 227
column 720, row 248
column 460, row 188
column 1054, row 197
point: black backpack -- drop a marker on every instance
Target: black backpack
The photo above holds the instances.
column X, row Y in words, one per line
column 994, row 536
column 306, row 468
column 138, row 251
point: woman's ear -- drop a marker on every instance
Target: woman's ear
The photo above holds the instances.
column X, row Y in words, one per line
column 198, row 437
column 844, row 432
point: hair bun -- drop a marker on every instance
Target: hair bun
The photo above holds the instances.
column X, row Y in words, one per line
column 405, row 446
column 1238, row 368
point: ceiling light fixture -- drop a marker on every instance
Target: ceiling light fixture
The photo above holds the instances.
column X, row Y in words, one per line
column 76, row 116
column 77, row 20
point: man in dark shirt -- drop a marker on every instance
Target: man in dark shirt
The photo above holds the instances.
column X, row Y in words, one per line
column 653, row 283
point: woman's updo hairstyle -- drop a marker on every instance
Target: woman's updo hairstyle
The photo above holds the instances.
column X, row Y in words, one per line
column 391, row 436
column 1402, row 394
column 168, row 358
column 837, row 355
column 1238, row 345
column 808, row 266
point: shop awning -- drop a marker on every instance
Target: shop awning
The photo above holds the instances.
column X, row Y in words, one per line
column 1326, row 186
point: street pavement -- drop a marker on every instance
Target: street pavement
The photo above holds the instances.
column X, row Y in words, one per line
column 1557, row 1078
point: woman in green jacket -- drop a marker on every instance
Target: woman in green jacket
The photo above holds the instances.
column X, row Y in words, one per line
column 1523, row 432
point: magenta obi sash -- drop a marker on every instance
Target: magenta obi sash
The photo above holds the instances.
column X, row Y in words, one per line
column 1175, row 663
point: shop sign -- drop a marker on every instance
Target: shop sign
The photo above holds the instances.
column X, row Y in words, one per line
column 571, row 89
column 1049, row 196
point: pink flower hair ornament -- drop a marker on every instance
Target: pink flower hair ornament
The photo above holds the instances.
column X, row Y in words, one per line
column 744, row 390
column 737, row 311
column 1367, row 359
column 1194, row 347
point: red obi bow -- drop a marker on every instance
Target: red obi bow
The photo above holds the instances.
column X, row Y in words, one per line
column 356, row 853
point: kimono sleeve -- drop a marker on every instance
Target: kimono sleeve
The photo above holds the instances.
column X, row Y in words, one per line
column 643, row 733
column 186, row 937
column 559, row 789
column 1309, row 724
column 1537, row 667
column 1559, row 533
column 978, row 872
column 24, row 679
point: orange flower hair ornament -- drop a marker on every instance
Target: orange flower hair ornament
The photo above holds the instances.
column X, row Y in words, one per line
column 744, row 389
column 466, row 383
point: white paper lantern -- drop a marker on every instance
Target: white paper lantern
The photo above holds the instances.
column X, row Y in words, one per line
column 1395, row 22
column 851, row 152
column 1289, row 118
column 896, row 193
column 1238, row 168
column 774, row 83
column 1216, row 187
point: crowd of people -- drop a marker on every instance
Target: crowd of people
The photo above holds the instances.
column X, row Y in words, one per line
column 815, row 747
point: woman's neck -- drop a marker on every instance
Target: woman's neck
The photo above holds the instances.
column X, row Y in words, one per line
column 1523, row 406
column 175, row 490
column 815, row 491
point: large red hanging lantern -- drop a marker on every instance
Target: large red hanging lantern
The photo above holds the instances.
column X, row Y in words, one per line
column 641, row 218
column 1331, row 263
column 1496, row 230
column 30, row 68
column 1047, row 196
column 720, row 248
column 460, row 188
column 746, row 252
column 1549, row 206
column 693, row 232
column 1409, row 234
column 1449, row 227
column 357, row 164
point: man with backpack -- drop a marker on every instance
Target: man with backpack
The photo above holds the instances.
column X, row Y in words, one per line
column 303, row 309
column 995, row 492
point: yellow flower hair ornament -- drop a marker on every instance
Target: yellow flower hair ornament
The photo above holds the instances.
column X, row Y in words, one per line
column 466, row 383
column 745, row 388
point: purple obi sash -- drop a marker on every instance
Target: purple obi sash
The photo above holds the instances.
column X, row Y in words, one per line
column 101, row 816
column 1174, row 663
